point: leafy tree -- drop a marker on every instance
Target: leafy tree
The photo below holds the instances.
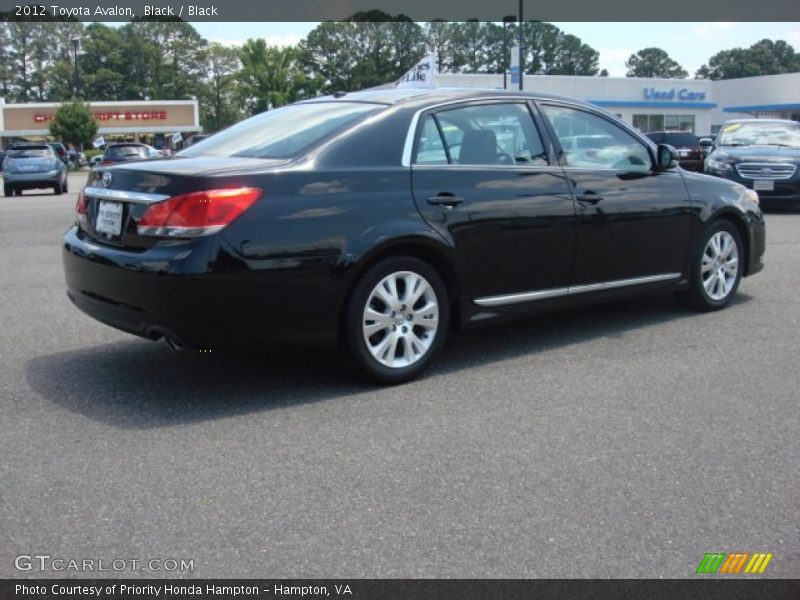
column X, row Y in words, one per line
column 5, row 61
column 766, row 57
column 270, row 76
column 218, row 98
column 21, row 35
column 73, row 123
column 654, row 62
column 573, row 57
column 604, row 73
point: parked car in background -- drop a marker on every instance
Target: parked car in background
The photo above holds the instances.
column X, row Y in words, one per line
column 60, row 151
column 77, row 158
column 2, row 156
column 687, row 145
column 761, row 154
column 95, row 161
column 364, row 218
column 33, row 166
column 125, row 152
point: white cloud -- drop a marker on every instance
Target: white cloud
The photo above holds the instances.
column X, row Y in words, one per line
column 614, row 59
column 709, row 28
column 793, row 37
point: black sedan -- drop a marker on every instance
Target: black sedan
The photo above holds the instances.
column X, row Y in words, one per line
column 761, row 154
column 382, row 219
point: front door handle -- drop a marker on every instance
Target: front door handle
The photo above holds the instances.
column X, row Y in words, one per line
column 589, row 198
column 445, row 199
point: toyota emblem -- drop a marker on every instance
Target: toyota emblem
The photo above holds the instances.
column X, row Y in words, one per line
column 107, row 179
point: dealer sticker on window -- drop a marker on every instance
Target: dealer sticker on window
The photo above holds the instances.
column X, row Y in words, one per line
column 109, row 218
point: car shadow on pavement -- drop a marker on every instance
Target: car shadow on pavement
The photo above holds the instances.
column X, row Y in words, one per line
column 137, row 384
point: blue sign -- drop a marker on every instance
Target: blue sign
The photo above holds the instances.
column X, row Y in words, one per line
column 684, row 94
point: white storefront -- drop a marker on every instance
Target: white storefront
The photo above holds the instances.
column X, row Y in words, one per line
column 696, row 105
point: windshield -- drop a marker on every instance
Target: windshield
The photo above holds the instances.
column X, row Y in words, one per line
column 761, row 134
column 30, row 153
column 283, row 132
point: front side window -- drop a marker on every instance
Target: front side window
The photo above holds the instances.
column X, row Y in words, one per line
column 591, row 142
column 486, row 134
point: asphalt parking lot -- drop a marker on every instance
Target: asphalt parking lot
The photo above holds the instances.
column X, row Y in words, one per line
column 623, row 440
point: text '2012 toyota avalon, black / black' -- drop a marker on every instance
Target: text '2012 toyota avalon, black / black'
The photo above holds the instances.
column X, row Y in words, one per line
column 384, row 218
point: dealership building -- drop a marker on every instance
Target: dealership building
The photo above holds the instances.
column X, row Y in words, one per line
column 148, row 121
column 697, row 105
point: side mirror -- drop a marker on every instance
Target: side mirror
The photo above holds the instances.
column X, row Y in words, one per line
column 667, row 157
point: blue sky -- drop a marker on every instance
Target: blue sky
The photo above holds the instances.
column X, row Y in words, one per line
column 691, row 44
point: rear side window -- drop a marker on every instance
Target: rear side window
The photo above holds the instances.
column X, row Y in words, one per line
column 484, row 134
column 284, row 132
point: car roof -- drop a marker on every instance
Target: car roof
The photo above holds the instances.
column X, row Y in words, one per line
column 785, row 121
column 423, row 97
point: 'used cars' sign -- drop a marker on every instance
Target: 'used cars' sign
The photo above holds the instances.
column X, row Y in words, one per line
column 651, row 93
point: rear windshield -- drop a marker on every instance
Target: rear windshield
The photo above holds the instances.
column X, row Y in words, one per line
column 283, row 132
column 680, row 139
column 36, row 152
column 125, row 151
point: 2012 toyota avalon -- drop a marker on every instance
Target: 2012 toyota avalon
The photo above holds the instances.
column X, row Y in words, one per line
column 382, row 219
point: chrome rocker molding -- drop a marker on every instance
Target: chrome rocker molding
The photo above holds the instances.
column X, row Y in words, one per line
column 491, row 301
column 123, row 195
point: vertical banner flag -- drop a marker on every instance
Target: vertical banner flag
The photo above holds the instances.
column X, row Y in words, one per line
column 515, row 65
column 421, row 75
column 177, row 138
column 99, row 142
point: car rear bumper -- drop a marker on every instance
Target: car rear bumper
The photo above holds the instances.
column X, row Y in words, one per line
column 197, row 293
column 44, row 178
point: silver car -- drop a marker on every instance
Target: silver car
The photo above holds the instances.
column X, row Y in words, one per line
column 33, row 166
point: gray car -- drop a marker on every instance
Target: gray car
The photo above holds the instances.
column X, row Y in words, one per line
column 33, row 166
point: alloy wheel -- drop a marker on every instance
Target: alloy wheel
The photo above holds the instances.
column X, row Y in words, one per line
column 720, row 265
column 401, row 319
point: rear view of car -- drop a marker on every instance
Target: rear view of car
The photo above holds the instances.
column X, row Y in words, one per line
column 119, row 153
column 33, row 166
column 687, row 145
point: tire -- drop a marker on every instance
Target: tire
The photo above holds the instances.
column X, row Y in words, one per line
column 721, row 254
column 8, row 190
column 58, row 189
column 415, row 333
column 64, row 187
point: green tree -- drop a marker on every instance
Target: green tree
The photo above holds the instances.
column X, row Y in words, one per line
column 654, row 62
column 219, row 101
column 5, row 61
column 766, row 57
column 73, row 123
column 270, row 76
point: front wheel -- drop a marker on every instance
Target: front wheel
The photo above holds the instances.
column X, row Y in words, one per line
column 716, row 268
column 397, row 319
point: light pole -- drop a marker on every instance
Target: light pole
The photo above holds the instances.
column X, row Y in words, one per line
column 506, row 20
column 76, row 42
column 521, row 46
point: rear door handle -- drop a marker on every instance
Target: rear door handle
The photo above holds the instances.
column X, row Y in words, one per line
column 445, row 199
column 589, row 198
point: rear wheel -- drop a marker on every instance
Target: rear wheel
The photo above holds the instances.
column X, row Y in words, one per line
column 397, row 319
column 58, row 189
column 8, row 190
column 716, row 268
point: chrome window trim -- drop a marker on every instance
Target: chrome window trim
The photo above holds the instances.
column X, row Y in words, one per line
column 532, row 168
column 123, row 195
column 503, row 300
column 408, row 147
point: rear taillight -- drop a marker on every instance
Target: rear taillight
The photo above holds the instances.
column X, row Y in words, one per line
column 81, row 208
column 197, row 213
